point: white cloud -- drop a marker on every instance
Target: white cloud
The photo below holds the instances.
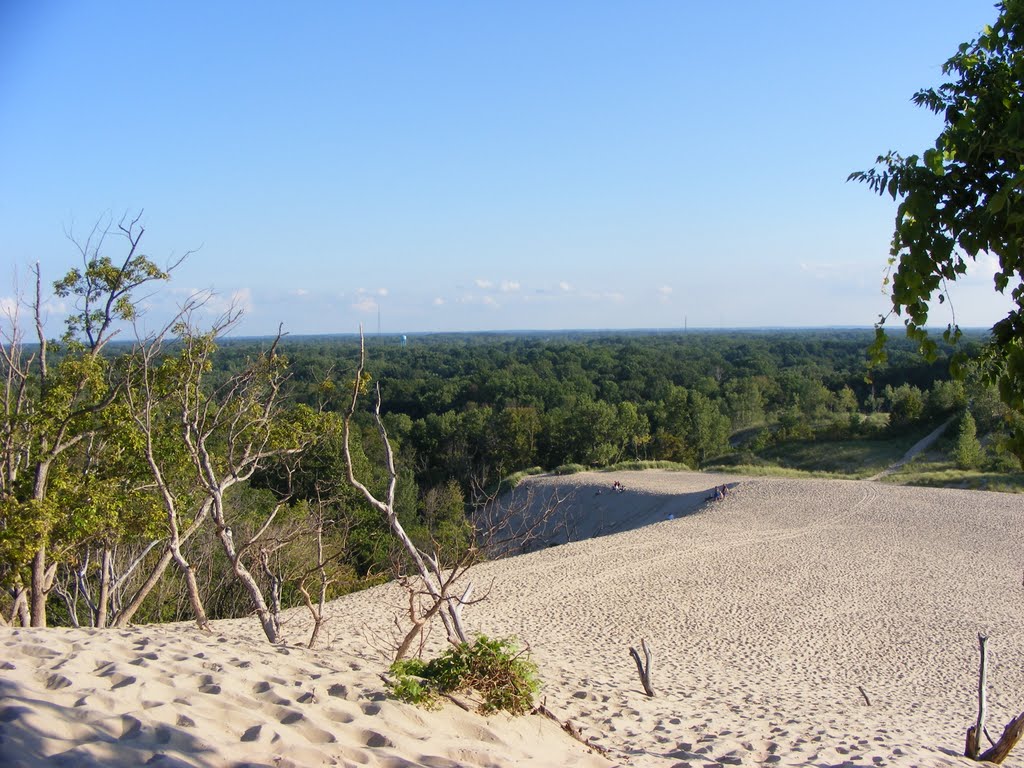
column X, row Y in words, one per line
column 471, row 299
column 565, row 286
column 483, row 283
column 438, row 302
column 299, row 292
column 242, row 298
column 982, row 271
column 612, row 296
column 366, row 304
column 216, row 304
column 665, row 290
column 508, row 286
column 8, row 306
column 382, row 291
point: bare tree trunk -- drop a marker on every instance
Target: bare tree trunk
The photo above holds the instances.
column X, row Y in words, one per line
column 318, row 612
column 267, row 619
column 103, row 602
column 42, row 574
column 974, row 733
column 191, row 585
column 20, row 608
column 38, row 607
column 418, row 622
column 124, row 618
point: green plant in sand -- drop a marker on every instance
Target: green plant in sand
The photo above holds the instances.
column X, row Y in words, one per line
column 496, row 669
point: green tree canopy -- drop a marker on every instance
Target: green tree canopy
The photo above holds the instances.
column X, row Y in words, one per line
column 965, row 196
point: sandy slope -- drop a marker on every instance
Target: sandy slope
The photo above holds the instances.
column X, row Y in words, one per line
column 766, row 612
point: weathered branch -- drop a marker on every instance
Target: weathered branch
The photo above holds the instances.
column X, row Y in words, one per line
column 570, row 729
column 1012, row 733
column 973, row 746
column 644, row 667
column 436, row 586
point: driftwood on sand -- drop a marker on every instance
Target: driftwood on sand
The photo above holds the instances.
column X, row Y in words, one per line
column 644, row 667
column 1013, row 731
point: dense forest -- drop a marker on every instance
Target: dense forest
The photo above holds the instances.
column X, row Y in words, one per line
column 476, row 408
column 248, row 434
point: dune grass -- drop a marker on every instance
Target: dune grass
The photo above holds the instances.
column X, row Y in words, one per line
column 773, row 470
column 637, row 465
column 622, row 466
column 938, row 471
column 850, row 458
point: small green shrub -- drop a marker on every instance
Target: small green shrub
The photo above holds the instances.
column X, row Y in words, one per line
column 512, row 481
column 570, row 469
column 639, row 465
column 414, row 691
column 496, row 669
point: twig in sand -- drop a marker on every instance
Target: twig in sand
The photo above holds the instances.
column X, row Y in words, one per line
column 571, row 729
column 864, row 694
column 644, row 668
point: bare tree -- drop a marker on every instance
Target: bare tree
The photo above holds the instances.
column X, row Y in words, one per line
column 224, row 434
column 432, row 576
column 435, row 588
column 95, row 585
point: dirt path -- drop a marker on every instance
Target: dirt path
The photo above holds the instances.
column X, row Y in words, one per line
column 921, row 445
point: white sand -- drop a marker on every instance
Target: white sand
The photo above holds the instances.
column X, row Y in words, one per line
column 765, row 611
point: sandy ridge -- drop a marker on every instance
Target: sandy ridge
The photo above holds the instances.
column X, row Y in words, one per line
column 767, row 612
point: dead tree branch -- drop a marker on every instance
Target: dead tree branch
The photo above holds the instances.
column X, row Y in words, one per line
column 644, row 667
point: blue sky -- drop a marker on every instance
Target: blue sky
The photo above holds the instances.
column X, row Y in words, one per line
column 474, row 166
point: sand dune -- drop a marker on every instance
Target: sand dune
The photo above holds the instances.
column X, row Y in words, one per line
column 767, row 612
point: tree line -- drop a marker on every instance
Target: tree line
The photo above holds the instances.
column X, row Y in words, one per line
column 476, row 408
column 179, row 473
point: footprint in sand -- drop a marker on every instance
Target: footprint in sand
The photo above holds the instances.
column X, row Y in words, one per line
column 39, row 652
column 373, row 739
column 338, row 691
column 207, row 684
column 316, row 735
column 290, row 716
column 339, row 716
column 265, row 689
column 120, row 681
column 56, row 682
column 131, row 727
